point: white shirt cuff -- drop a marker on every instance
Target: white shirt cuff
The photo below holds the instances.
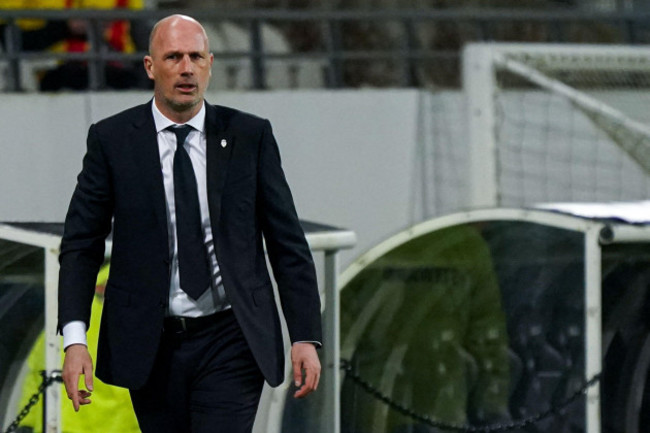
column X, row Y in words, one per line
column 315, row 343
column 74, row 333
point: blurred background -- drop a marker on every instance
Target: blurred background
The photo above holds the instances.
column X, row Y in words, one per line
column 389, row 114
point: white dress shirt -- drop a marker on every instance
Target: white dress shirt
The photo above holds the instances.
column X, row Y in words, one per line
column 180, row 304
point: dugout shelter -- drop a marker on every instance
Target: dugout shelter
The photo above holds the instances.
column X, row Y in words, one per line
column 497, row 315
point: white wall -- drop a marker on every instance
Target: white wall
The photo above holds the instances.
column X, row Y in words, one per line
column 374, row 161
column 348, row 155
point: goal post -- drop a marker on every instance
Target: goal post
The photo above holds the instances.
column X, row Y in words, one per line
column 557, row 122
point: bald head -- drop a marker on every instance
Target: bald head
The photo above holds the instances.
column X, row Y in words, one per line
column 179, row 63
column 172, row 22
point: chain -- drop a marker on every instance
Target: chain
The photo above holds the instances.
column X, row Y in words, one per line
column 373, row 391
column 518, row 424
column 47, row 381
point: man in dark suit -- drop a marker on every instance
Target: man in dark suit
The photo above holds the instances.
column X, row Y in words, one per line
column 189, row 190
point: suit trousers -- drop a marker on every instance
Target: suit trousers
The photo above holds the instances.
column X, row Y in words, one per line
column 205, row 381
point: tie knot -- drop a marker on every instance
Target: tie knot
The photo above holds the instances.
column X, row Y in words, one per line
column 181, row 133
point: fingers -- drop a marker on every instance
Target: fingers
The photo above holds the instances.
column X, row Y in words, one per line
column 305, row 360
column 297, row 373
column 88, row 374
column 77, row 362
column 312, row 377
column 84, row 397
column 70, row 381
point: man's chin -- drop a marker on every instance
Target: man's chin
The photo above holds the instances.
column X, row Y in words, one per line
column 182, row 106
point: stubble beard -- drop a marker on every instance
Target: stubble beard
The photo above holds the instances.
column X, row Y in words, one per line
column 181, row 107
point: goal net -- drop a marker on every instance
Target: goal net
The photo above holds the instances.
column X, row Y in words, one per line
column 557, row 123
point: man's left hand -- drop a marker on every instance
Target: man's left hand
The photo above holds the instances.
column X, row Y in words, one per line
column 305, row 359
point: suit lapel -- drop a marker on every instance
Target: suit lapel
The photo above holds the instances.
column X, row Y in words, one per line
column 144, row 139
column 219, row 149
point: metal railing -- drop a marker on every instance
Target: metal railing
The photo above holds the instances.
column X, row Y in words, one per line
column 414, row 47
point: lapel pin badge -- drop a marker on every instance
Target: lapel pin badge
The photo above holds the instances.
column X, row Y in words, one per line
column 224, row 143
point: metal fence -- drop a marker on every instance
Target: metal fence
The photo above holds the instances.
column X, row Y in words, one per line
column 382, row 48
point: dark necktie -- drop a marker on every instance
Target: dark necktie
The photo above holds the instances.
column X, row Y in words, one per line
column 193, row 265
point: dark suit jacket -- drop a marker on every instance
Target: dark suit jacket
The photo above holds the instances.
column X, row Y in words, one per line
column 121, row 186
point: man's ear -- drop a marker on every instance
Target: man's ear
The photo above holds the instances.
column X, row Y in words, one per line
column 148, row 66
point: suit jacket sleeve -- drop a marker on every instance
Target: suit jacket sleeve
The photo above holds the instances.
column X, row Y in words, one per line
column 87, row 224
column 288, row 251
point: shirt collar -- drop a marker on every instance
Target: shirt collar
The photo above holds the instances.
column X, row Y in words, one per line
column 197, row 122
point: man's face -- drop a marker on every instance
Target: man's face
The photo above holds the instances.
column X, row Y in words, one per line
column 180, row 65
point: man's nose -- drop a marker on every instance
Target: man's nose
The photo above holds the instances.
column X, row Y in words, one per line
column 186, row 65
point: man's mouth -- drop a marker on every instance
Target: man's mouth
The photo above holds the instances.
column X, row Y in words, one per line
column 186, row 87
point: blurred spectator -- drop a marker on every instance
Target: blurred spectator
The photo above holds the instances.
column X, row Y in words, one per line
column 71, row 36
column 116, row 37
column 37, row 34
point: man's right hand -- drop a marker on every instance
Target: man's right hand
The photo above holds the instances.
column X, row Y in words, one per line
column 77, row 361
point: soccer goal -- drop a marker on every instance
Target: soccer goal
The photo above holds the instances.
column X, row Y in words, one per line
column 557, row 122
